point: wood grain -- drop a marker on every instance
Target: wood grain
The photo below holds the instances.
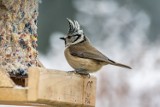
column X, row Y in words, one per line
column 5, row 80
column 53, row 87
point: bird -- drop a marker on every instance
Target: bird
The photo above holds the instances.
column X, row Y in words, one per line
column 81, row 55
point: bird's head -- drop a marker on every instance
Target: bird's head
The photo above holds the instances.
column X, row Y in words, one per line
column 75, row 34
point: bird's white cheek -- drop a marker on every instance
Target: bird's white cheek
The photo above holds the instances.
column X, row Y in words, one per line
column 67, row 44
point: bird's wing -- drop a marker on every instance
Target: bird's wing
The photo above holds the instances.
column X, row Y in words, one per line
column 85, row 50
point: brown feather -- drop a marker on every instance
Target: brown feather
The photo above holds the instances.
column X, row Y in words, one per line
column 85, row 50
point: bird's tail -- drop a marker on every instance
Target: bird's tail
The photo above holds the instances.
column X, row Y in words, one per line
column 119, row 64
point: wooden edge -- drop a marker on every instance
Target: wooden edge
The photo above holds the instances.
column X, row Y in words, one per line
column 13, row 94
column 61, row 104
column 22, row 104
column 33, row 82
column 5, row 80
column 89, row 97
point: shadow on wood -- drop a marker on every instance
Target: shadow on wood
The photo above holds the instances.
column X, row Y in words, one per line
column 51, row 87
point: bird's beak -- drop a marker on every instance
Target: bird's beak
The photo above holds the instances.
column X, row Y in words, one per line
column 62, row 38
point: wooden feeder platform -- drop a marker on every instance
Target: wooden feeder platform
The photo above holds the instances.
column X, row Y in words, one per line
column 45, row 88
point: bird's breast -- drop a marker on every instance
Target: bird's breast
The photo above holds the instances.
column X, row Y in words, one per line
column 83, row 63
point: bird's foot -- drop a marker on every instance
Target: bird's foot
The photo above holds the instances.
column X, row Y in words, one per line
column 71, row 71
column 82, row 72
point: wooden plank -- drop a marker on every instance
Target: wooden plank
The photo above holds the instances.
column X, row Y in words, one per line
column 13, row 94
column 89, row 91
column 61, row 88
column 15, row 103
column 5, row 80
column 53, row 87
column 33, row 82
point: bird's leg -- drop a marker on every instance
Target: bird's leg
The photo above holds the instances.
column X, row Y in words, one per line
column 82, row 72
column 71, row 71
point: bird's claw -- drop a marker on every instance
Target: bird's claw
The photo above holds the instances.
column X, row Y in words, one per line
column 71, row 71
column 83, row 73
column 80, row 72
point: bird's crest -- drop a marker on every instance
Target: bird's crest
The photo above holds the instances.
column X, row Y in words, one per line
column 74, row 27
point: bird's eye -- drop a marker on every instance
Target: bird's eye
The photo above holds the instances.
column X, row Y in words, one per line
column 76, row 37
column 69, row 37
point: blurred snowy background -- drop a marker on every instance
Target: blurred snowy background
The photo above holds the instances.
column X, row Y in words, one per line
column 126, row 31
